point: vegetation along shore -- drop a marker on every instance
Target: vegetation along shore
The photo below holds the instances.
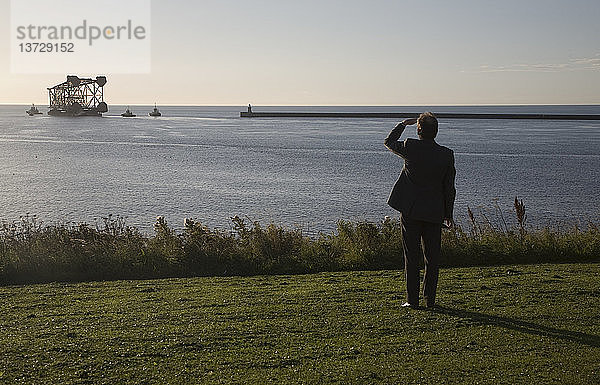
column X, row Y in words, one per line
column 33, row 252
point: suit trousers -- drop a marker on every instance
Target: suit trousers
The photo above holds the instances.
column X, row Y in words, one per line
column 416, row 236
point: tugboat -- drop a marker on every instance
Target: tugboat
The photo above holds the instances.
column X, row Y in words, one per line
column 155, row 112
column 33, row 111
column 128, row 114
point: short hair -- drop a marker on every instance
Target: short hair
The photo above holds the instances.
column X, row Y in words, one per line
column 428, row 125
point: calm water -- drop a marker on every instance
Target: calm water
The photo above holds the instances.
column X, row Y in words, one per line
column 207, row 163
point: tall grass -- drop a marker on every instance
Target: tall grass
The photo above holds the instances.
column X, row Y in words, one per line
column 33, row 252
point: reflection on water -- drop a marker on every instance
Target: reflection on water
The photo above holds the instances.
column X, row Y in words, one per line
column 207, row 163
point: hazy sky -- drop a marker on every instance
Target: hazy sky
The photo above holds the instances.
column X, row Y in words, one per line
column 371, row 52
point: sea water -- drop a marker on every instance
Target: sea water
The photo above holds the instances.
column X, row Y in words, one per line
column 208, row 163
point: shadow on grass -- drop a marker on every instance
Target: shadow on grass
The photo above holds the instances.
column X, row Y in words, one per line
column 521, row 326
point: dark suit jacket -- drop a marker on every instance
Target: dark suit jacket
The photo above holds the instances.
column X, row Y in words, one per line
column 425, row 189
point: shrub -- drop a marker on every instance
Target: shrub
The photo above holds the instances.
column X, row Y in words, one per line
column 31, row 251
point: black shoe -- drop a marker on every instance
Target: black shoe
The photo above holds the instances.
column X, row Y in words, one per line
column 410, row 305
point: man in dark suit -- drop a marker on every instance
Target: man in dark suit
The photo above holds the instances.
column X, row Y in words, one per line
column 424, row 195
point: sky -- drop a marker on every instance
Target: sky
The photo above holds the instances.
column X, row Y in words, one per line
column 371, row 52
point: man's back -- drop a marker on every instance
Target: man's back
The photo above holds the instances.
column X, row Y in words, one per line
column 426, row 163
column 425, row 188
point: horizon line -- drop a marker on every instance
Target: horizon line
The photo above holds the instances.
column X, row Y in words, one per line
column 332, row 105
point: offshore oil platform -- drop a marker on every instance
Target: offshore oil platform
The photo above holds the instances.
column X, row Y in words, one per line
column 78, row 97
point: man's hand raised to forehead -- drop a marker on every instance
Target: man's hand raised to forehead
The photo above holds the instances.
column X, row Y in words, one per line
column 406, row 122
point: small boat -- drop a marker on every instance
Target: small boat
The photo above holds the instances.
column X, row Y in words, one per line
column 155, row 112
column 33, row 111
column 128, row 114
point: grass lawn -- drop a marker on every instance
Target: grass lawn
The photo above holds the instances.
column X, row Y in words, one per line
column 534, row 324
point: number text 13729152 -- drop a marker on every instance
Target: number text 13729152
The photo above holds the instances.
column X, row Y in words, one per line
column 46, row 47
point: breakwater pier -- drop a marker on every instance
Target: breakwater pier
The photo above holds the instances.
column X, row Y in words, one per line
column 405, row 115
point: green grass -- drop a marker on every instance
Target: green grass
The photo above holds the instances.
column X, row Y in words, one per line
column 526, row 324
